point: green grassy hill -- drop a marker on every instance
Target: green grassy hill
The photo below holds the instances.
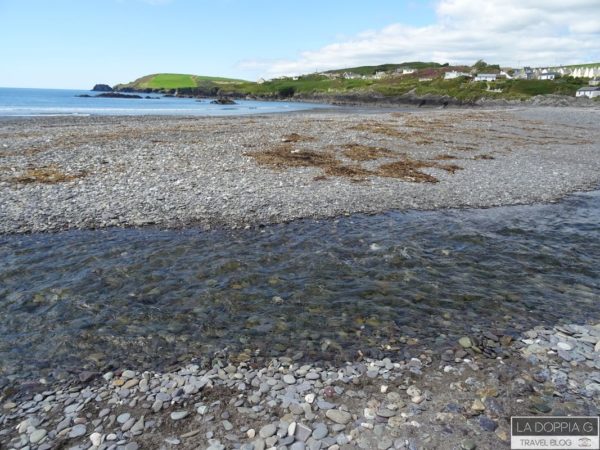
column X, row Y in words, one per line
column 169, row 81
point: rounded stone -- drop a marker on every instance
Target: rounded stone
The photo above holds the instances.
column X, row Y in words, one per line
column 338, row 416
column 128, row 374
column 267, row 431
column 320, row 431
column 564, row 346
column 178, row 415
column 77, row 431
column 468, row 444
column 465, row 342
column 123, row 418
column 37, row 436
column 289, row 379
column 96, row 439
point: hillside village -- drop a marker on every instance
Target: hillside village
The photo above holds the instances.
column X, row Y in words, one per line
column 408, row 82
column 479, row 72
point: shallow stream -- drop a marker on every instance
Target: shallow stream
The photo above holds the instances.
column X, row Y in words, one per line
column 322, row 289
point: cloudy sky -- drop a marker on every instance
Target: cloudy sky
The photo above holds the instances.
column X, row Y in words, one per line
column 75, row 43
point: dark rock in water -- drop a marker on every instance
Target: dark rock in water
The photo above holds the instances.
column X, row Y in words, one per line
column 117, row 95
column 223, row 101
column 87, row 376
column 151, row 98
column 84, row 95
column 102, row 88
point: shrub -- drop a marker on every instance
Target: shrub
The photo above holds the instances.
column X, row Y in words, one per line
column 286, row 91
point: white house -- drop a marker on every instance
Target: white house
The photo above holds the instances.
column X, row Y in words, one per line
column 485, row 77
column 547, row 76
column 454, row 74
column 588, row 91
column 351, row 76
column 595, row 81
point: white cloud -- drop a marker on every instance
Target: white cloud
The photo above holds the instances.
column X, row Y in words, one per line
column 509, row 32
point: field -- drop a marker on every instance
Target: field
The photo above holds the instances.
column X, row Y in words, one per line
column 167, row 81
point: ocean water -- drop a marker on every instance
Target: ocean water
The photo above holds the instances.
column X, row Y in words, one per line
column 20, row 102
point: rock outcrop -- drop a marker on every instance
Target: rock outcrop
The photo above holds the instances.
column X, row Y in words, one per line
column 102, row 88
column 223, row 101
column 118, row 95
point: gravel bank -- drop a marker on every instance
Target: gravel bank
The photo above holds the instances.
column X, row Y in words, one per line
column 459, row 397
column 93, row 172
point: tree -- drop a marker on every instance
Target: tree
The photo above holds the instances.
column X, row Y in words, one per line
column 480, row 65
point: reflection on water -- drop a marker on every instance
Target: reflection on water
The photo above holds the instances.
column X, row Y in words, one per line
column 325, row 288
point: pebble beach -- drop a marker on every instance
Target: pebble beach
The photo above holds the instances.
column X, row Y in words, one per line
column 65, row 175
column 460, row 398
column 97, row 172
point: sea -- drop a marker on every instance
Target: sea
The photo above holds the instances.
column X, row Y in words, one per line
column 24, row 102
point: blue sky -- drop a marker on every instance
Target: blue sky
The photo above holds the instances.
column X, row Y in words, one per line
column 76, row 43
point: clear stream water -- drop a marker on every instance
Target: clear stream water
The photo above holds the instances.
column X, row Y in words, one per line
column 19, row 102
column 142, row 297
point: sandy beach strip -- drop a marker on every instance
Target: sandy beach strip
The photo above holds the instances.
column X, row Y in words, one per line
column 93, row 172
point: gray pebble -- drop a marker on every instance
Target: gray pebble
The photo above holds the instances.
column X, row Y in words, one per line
column 123, row 418
column 178, row 415
column 77, row 431
column 320, row 431
column 267, row 431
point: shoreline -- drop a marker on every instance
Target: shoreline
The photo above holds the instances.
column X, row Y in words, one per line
column 459, row 396
column 173, row 172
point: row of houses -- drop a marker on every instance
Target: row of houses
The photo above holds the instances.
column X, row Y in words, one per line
column 527, row 73
column 477, row 77
column 545, row 73
column 377, row 76
column 579, row 72
column 524, row 75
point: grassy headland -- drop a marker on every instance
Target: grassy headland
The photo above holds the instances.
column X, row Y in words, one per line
column 167, row 82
